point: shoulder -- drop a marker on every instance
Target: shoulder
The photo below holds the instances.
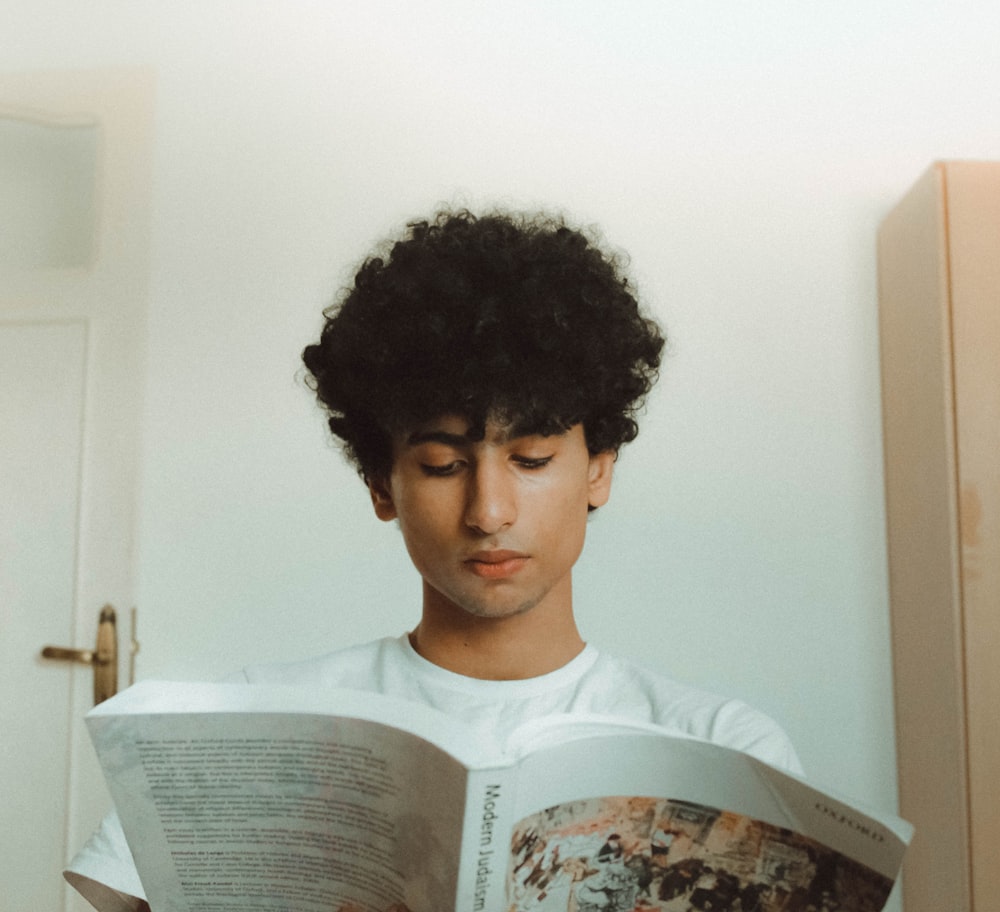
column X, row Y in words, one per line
column 103, row 871
column 357, row 667
column 643, row 690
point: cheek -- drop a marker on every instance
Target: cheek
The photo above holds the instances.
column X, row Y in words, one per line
column 421, row 546
column 423, row 523
column 566, row 521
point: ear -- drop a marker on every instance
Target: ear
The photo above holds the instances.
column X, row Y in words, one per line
column 381, row 495
column 599, row 477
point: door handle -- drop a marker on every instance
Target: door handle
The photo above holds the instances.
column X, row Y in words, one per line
column 103, row 657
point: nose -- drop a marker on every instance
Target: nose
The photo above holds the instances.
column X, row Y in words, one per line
column 491, row 503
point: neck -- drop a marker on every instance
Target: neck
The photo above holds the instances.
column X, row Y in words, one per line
column 525, row 645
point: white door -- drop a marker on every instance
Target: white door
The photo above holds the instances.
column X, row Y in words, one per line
column 74, row 215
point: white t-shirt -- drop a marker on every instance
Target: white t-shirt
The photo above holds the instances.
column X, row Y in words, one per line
column 593, row 682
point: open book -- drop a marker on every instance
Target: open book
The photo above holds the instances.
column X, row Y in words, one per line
column 249, row 797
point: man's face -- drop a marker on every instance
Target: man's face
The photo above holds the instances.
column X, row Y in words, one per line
column 494, row 526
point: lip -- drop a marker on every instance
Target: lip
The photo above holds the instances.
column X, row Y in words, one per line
column 497, row 564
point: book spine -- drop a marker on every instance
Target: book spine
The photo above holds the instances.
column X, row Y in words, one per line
column 485, row 842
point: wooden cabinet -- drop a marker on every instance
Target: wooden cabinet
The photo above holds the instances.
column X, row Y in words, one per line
column 939, row 302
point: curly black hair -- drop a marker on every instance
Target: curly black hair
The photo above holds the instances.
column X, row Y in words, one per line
column 514, row 318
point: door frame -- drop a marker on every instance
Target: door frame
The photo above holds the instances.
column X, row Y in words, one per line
column 109, row 295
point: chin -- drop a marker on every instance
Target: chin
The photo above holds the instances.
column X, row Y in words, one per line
column 496, row 612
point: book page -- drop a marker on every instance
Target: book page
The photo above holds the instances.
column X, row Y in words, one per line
column 631, row 821
column 293, row 811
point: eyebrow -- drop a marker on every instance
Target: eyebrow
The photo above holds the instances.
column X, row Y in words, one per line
column 444, row 437
column 472, row 435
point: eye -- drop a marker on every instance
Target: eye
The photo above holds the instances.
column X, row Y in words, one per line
column 440, row 471
column 532, row 462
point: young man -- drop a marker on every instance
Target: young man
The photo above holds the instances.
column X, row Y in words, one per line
column 482, row 376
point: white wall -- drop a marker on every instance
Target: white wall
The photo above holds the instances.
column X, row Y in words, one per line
column 743, row 153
